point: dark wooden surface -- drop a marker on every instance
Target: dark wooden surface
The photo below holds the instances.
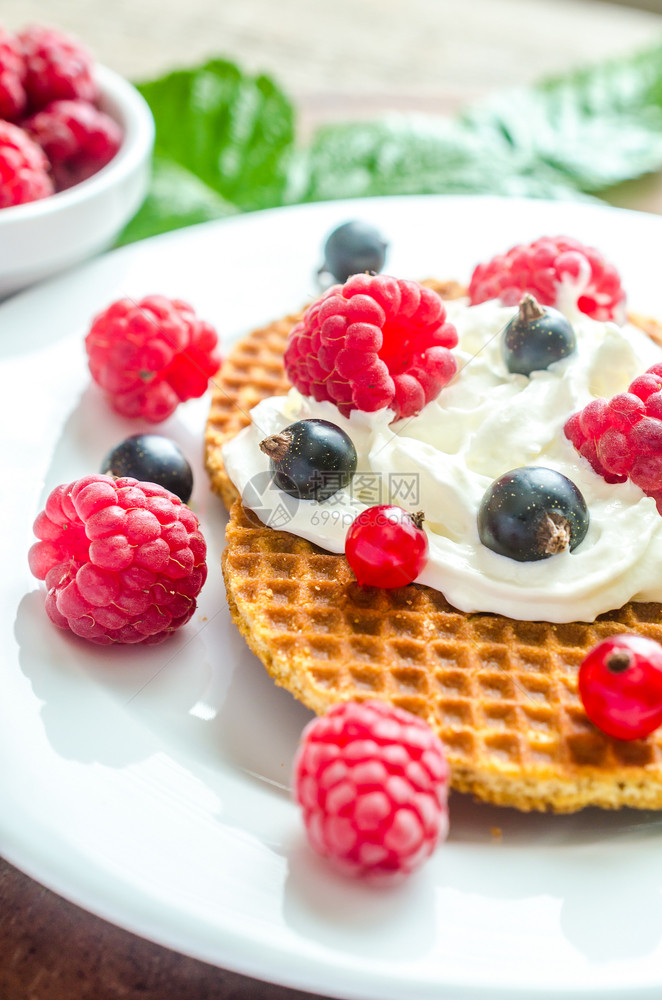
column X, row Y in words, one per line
column 52, row 950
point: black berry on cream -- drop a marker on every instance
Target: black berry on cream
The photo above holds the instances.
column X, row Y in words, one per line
column 532, row 513
column 311, row 459
column 536, row 337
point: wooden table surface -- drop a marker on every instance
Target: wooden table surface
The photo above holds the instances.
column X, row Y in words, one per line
column 348, row 58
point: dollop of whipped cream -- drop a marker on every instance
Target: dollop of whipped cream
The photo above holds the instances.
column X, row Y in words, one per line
column 485, row 423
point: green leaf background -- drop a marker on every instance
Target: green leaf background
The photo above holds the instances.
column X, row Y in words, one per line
column 225, row 143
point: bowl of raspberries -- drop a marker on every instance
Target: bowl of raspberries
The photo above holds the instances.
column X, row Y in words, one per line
column 75, row 152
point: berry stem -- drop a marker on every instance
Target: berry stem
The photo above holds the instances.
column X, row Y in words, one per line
column 530, row 309
column 618, row 661
column 554, row 533
column 276, row 446
column 418, row 518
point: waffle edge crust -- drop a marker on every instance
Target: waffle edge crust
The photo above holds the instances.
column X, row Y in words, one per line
column 501, row 694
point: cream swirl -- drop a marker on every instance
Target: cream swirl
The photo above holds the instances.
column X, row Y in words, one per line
column 485, row 423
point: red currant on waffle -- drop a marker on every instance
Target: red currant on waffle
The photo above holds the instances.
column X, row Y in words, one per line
column 150, row 355
column 373, row 342
column 372, row 780
column 552, row 268
column 386, row 547
column 123, row 561
column 620, row 684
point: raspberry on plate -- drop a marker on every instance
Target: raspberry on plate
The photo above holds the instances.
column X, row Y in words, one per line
column 558, row 271
column 149, row 356
column 57, row 67
column 77, row 138
column 13, row 99
column 371, row 343
column 372, row 780
column 24, row 173
column 621, row 437
column 123, row 561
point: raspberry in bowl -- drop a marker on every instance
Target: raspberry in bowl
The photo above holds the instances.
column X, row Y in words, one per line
column 99, row 132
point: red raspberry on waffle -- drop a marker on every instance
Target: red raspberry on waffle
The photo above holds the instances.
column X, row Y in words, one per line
column 622, row 437
column 373, row 342
column 552, row 268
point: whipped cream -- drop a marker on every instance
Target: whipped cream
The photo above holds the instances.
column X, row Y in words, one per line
column 485, row 423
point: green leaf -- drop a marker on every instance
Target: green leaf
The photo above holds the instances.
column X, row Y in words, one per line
column 411, row 154
column 225, row 142
column 583, row 132
column 595, row 127
column 176, row 198
column 233, row 131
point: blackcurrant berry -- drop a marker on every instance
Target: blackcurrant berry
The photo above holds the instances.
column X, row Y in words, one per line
column 311, row 459
column 536, row 337
column 386, row 547
column 353, row 248
column 151, row 458
column 532, row 513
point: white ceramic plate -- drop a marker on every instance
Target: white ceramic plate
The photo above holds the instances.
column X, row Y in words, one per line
column 150, row 785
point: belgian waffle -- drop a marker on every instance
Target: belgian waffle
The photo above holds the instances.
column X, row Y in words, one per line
column 501, row 694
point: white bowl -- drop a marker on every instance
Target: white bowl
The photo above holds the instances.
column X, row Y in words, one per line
column 46, row 236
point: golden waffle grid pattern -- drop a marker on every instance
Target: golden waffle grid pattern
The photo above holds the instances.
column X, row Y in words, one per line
column 253, row 371
column 502, row 694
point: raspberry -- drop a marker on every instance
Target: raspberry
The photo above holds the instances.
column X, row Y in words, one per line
column 23, row 168
column 123, row 561
column 57, row 67
column 372, row 781
column 622, row 437
column 77, row 138
column 624, row 410
column 615, row 452
column 149, row 356
column 371, row 343
column 13, row 99
column 553, row 269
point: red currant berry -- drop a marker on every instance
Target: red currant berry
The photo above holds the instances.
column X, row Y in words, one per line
column 386, row 547
column 620, row 684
